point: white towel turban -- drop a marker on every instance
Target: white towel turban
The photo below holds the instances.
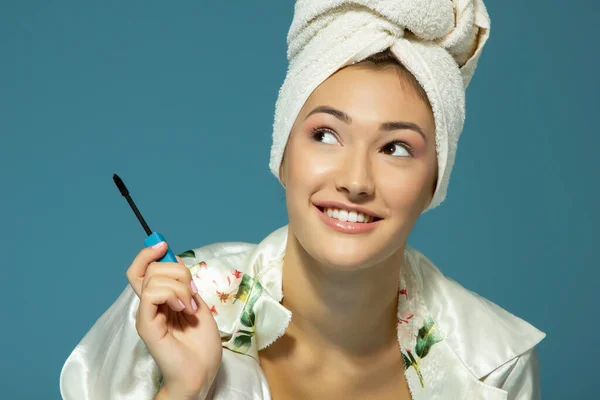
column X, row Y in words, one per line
column 438, row 41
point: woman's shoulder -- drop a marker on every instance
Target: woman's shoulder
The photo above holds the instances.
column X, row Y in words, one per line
column 481, row 333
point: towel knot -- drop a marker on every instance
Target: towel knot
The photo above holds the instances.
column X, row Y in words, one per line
column 393, row 30
column 455, row 25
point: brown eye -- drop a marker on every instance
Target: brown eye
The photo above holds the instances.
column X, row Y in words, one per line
column 324, row 136
column 397, row 149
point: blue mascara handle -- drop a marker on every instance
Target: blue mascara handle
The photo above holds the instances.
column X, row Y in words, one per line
column 155, row 238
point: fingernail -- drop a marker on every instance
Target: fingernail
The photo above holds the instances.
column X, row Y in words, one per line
column 181, row 304
column 193, row 285
column 194, row 305
column 158, row 245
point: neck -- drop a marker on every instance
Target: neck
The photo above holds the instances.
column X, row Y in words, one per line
column 352, row 313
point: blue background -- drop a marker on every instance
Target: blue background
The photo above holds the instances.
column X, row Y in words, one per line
column 178, row 99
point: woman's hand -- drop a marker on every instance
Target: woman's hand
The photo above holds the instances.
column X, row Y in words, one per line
column 175, row 323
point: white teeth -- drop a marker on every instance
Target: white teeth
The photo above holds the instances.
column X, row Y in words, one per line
column 352, row 217
column 344, row 215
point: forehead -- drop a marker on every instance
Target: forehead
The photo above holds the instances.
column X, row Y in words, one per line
column 372, row 95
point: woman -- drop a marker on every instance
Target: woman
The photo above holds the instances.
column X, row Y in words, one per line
column 365, row 134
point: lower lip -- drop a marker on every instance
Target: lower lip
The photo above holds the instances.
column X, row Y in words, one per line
column 347, row 227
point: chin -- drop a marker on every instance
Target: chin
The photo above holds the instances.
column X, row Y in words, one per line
column 347, row 253
column 347, row 261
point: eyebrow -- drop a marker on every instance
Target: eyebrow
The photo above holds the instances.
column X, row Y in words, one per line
column 393, row 126
column 386, row 126
column 342, row 116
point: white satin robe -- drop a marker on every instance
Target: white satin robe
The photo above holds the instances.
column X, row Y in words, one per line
column 456, row 344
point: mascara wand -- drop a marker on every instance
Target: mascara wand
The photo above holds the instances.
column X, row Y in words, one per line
column 153, row 237
column 125, row 193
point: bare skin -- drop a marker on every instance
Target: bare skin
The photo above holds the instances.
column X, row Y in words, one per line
column 342, row 288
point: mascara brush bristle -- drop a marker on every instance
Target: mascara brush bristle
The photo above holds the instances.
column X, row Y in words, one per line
column 125, row 193
column 120, row 185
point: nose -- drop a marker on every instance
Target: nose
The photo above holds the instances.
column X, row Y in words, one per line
column 354, row 177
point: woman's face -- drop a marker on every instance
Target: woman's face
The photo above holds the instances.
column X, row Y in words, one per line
column 364, row 141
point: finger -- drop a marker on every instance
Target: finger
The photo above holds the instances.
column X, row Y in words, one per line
column 147, row 314
column 167, row 269
column 152, row 299
column 137, row 269
column 199, row 300
column 183, row 292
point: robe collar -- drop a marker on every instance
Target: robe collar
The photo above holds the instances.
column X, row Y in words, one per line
column 449, row 337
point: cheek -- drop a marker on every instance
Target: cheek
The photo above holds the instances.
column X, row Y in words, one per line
column 407, row 191
column 309, row 165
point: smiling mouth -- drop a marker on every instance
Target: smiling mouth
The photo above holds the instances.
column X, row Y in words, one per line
column 348, row 216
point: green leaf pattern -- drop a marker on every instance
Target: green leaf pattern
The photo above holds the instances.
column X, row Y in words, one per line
column 187, row 254
column 244, row 288
column 427, row 336
column 249, row 291
column 242, row 343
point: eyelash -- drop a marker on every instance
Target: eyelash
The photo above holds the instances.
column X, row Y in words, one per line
column 316, row 131
column 402, row 144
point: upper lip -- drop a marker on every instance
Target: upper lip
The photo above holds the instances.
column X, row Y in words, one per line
column 342, row 206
